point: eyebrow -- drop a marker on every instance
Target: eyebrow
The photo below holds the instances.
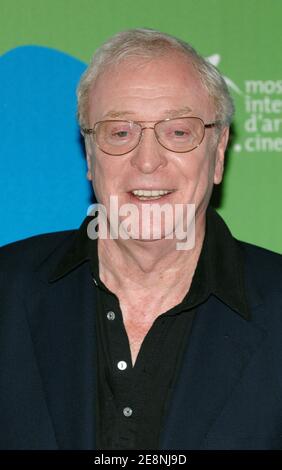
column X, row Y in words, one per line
column 167, row 113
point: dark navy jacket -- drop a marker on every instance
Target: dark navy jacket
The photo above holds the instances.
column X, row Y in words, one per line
column 229, row 392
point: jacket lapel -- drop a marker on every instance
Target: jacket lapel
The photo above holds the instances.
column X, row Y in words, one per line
column 61, row 317
column 25, row 419
column 219, row 350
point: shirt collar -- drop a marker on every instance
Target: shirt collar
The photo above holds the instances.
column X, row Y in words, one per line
column 220, row 269
column 219, row 272
column 78, row 253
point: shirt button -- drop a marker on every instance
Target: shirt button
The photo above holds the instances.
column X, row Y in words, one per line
column 111, row 316
column 127, row 411
column 95, row 282
column 122, row 365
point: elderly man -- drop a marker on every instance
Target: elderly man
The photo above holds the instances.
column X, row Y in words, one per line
column 128, row 342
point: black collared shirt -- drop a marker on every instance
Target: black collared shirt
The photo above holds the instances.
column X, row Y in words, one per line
column 132, row 401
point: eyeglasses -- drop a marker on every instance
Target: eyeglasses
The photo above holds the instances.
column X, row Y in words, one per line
column 181, row 135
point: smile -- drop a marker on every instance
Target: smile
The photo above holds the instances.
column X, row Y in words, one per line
column 144, row 194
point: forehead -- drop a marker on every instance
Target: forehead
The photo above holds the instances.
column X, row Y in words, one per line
column 148, row 88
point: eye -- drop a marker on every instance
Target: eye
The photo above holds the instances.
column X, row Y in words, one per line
column 179, row 133
column 120, row 134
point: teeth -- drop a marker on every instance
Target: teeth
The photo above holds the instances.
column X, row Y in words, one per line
column 148, row 193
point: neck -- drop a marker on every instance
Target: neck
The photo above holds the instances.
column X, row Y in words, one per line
column 135, row 266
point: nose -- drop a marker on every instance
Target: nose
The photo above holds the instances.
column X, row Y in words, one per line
column 149, row 155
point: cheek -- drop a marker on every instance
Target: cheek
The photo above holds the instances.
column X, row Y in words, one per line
column 106, row 177
column 99, row 179
column 196, row 168
column 207, row 173
column 198, row 176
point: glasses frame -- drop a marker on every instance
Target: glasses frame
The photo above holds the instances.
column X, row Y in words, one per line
column 92, row 132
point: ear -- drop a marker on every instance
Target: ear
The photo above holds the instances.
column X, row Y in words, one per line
column 89, row 172
column 220, row 154
column 88, row 151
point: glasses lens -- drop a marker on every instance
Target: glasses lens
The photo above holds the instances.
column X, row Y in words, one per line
column 117, row 137
column 180, row 135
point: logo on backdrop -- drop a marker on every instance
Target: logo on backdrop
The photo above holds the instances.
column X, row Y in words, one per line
column 262, row 119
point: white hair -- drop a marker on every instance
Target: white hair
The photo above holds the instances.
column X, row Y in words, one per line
column 147, row 44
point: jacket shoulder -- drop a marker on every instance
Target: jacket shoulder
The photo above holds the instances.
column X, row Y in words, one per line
column 27, row 254
column 263, row 265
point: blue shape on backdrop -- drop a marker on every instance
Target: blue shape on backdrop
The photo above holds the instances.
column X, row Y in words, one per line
column 43, row 186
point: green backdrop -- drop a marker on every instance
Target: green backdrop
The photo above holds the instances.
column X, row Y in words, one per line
column 242, row 37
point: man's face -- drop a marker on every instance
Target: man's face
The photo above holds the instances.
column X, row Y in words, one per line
column 151, row 91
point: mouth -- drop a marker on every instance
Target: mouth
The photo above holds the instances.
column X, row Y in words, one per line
column 149, row 195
